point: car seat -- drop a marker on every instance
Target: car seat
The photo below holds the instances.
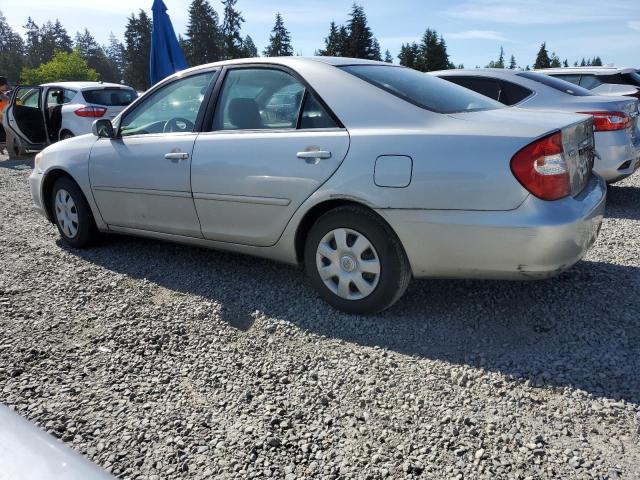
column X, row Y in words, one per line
column 244, row 114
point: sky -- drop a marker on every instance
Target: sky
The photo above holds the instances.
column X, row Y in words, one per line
column 473, row 29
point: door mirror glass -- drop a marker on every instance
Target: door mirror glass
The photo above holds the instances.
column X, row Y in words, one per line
column 103, row 128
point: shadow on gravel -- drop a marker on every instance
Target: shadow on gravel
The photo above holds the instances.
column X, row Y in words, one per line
column 623, row 202
column 561, row 332
column 22, row 163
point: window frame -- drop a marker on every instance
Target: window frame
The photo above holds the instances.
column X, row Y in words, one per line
column 143, row 99
column 207, row 124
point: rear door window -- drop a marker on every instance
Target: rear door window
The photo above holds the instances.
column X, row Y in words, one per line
column 556, row 84
column 422, row 90
column 110, row 97
column 575, row 79
column 484, row 86
column 590, row 82
column 512, row 93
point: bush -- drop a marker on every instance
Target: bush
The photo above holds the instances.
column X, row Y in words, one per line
column 62, row 67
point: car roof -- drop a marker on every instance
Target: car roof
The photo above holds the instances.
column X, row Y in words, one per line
column 83, row 85
column 592, row 70
column 468, row 72
column 291, row 61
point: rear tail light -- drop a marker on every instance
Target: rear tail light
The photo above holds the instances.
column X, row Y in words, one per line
column 92, row 112
column 609, row 121
column 541, row 168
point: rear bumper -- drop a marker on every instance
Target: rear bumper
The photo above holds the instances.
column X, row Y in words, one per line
column 618, row 157
column 539, row 239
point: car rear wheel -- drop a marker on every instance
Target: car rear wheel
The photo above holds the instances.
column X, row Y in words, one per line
column 355, row 261
column 72, row 214
column 14, row 146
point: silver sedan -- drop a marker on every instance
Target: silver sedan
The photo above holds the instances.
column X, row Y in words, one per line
column 615, row 118
column 365, row 173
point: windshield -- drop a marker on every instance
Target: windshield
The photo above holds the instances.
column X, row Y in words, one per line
column 110, row 97
column 556, row 84
column 422, row 90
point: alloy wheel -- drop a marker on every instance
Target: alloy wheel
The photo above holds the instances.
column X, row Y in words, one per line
column 66, row 213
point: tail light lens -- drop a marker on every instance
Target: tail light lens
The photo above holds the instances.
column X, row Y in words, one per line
column 609, row 121
column 91, row 112
column 541, row 168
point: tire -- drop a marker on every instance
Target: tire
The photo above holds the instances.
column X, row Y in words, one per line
column 350, row 284
column 66, row 135
column 72, row 215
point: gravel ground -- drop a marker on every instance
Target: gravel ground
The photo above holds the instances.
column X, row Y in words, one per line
column 163, row 361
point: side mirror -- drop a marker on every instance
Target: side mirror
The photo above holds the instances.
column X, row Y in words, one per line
column 103, row 128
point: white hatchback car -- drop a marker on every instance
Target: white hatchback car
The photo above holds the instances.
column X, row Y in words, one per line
column 42, row 115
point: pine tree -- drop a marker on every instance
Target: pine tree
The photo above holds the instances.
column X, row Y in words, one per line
column 231, row 25
column 203, row 42
column 33, row 50
column 542, row 60
column 565, row 64
column 583, row 63
column 597, row 62
column 500, row 63
column 360, row 42
column 11, row 51
column 512, row 63
column 95, row 56
column 555, row 61
column 409, row 55
column 279, row 41
column 334, row 43
column 115, row 54
column 137, row 51
column 249, row 49
column 387, row 56
column 432, row 53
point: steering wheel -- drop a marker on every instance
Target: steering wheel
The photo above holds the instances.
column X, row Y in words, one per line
column 178, row 124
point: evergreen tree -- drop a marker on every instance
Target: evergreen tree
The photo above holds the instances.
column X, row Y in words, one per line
column 597, row 62
column 461, row 66
column 249, row 49
column 500, row 62
column 565, row 64
column 33, row 50
column 432, row 53
column 335, row 42
column 583, row 63
column 137, row 51
column 387, row 56
column 279, row 41
column 231, row 25
column 360, row 42
column 555, row 61
column 409, row 55
column 528, row 68
column 542, row 60
column 115, row 54
column 11, row 51
column 96, row 57
column 203, row 42
column 512, row 63
column 575, row 64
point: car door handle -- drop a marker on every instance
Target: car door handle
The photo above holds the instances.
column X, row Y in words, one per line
column 314, row 154
column 176, row 156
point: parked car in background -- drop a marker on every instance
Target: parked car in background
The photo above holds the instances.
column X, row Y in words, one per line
column 600, row 80
column 364, row 172
column 41, row 115
column 617, row 133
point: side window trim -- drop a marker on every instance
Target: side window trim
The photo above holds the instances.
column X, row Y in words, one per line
column 207, row 120
column 138, row 103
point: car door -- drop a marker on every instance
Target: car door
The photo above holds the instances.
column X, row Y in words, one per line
column 272, row 143
column 141, row 179
column 25, row 116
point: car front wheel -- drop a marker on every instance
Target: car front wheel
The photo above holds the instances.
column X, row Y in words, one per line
column 355, row 261
column 72, row 214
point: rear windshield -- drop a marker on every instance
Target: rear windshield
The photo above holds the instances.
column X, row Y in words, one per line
column 110, row 97
column 557, row 84
column 423, row 90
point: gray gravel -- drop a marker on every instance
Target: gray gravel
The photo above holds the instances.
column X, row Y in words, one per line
column 163, row 361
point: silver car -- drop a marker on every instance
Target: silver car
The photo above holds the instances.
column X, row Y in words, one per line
column 364, row 172
column 617, row 132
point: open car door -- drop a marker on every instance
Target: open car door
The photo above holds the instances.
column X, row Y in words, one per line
column 26, row 119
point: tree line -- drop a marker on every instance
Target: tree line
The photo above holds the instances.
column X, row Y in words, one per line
column 46, row 49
